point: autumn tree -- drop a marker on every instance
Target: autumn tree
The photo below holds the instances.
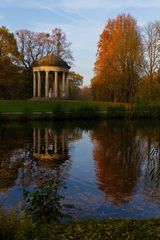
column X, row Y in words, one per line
column 75, row 83
column 9, row 70
column 148, row 88
column 119, row 59
column 85, row 93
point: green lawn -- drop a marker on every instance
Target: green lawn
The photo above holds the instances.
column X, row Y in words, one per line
column 46, row 106
column 79, row 109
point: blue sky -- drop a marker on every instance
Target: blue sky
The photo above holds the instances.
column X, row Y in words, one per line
column 81, row 20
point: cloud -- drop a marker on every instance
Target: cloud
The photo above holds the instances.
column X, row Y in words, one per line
column 73, row 5
column 81, row 20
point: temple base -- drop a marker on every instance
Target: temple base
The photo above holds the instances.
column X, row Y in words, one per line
column 48, row 99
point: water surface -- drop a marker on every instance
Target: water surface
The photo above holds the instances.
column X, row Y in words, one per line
column 110, row 169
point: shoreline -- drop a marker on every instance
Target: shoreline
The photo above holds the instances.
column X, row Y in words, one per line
column 12, row 227
column 69, row 109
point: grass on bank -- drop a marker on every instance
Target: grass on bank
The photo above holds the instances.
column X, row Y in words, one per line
column 20, row 228
column 27, row 109
column 77, row 109
column 47, row 106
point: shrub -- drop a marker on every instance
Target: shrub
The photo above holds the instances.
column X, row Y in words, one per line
column 44, row 203
column 85, row 111
column 117, row 111
column 145, row 110
column 58, row 111
column 43, row 116
column 26, row 115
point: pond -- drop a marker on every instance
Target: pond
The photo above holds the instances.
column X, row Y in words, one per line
column 110, row 168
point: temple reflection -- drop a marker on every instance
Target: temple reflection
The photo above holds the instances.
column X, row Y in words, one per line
column 26, row 152
column 48, row 145
column 49, row 155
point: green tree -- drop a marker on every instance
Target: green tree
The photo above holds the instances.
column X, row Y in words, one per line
column 75, row 83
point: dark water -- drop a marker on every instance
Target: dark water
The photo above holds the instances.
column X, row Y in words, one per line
column 110, row 169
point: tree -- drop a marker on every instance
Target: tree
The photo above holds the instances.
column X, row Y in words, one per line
column 61, row 46
column 151, row 63
column 8, row 46
column 31, row 46
column 9, row 71
column 119, row 59
column 150, row 37
column 34, row 45
column 149, row 88
column 75, row 82
column 85, row 93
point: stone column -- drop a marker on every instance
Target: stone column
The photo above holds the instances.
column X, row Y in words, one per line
column 63, row 84
column 34, row 84
column 47, row 85
column 67, row 86
column 56, row 85
column 39, row 84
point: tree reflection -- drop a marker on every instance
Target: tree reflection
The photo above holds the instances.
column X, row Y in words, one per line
column 151, row 162
column 12, row 147
column 116, row 154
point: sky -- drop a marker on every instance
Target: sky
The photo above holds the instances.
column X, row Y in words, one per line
column 81, row 20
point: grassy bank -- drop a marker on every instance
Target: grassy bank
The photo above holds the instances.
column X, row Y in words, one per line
column 23, row 229
column 47, row 106
column 27, row 109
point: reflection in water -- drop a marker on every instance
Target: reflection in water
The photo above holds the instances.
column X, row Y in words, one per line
column 49, row 145
column 49, row 156
column 127, row 161
column 12, row 148
column 151, row 164
column 25, row 154
column 117, row 155
column 110, row 168
column 152, row 175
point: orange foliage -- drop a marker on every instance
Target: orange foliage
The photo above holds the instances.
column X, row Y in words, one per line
column 118, row 59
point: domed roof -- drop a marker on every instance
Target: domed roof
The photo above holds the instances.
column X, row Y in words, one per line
column 51, row 60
